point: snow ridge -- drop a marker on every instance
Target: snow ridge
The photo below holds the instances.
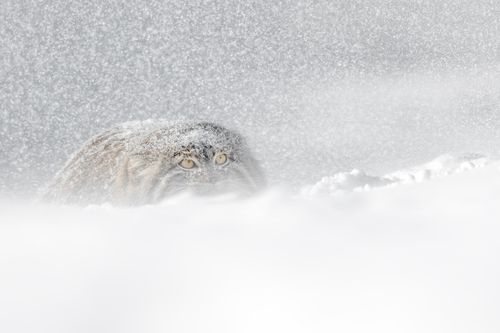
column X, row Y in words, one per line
column 357, row 180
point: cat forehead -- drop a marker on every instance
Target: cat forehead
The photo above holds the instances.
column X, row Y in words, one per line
column 193, row 135
column 202, row 140
column 201, row 149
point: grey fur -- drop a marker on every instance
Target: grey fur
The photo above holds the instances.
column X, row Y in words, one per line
column 137, row 163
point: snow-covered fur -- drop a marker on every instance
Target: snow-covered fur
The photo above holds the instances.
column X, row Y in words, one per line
column 138, row 163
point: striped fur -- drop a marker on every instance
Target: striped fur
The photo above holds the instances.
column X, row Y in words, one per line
column 137, row 163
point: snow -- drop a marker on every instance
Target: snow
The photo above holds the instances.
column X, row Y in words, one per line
column 418, row 256
column 357, row 180
column 317, row 87
column 344, row 103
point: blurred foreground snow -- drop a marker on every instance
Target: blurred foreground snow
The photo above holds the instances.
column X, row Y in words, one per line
column 414, row 257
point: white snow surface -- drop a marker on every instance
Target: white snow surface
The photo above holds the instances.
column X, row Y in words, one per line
column 417, row 253
column 357, row 180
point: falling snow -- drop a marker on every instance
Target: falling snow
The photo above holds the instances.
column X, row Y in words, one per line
column 344, row 103
column 317, row 86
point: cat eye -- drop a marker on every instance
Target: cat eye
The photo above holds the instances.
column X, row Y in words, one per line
column 187, row 164
column 220, row 159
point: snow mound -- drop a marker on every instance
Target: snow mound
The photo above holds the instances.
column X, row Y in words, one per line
column 400, row 259
column 357, row 180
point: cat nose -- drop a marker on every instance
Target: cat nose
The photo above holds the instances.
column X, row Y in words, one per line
column 203, row 176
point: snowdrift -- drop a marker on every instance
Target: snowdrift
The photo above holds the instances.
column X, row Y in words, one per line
column 413, row 251
column 357, row 180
